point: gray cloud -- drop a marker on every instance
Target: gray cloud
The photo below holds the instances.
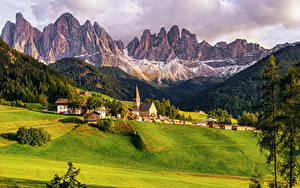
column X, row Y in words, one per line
column 260, row 21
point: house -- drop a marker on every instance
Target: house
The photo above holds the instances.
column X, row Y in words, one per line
column 102, row 112
column 62, row 106
column 145, row 111
column 91, row 118
column 210, row 122
column 75, row 111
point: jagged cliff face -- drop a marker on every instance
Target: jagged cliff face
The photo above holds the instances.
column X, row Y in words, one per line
column 184, row 45
column 64, row 38
column 174, row 55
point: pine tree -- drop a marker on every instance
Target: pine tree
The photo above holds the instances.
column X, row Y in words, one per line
column 290, row 116
column 268, row 125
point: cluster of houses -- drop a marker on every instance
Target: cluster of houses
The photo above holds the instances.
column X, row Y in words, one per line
column 140, row 112
column 62, row 107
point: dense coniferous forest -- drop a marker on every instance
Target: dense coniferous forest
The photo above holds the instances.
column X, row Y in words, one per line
column 243, row 90
column 24, row 78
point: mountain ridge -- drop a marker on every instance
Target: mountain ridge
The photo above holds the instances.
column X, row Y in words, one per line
column 174, row 55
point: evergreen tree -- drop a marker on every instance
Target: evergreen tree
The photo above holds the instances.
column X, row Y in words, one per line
column 68, row 180
column 290, row 116
column 268, row 125
column 43, row 100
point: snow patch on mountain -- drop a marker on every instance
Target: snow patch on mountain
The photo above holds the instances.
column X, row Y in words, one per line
column 177, row 69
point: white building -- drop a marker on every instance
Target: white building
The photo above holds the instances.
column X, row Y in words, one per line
column 62, row 106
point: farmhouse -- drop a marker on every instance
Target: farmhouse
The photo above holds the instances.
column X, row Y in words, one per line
column 91, row 118
column 145, row 110
column 63, row 108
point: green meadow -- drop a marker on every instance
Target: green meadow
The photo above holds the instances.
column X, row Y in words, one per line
column 175, row 155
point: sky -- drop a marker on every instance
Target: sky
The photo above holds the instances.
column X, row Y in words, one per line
column 267, row 22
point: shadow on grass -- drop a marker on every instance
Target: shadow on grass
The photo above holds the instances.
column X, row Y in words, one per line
column 9, row 136
column 21, row 183
column 71, row 120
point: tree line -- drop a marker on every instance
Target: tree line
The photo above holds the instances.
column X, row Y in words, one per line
column 280, row 121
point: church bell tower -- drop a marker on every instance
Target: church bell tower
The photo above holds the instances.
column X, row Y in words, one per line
column 137, row 100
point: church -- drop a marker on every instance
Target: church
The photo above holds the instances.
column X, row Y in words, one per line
column 145, row 110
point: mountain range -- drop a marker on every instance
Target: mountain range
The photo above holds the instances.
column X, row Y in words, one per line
column 169, row 55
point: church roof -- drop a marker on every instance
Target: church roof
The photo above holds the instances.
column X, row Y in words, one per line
column 145, row 107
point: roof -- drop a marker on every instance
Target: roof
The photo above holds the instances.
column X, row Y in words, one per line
column 211, row 119
column 145, row 107
column 61, row 101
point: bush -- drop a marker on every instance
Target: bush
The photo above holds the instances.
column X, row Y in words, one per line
column 18, row 103
column 106, row 125
column 256, row 180
column 32, row 136
column 4, row 102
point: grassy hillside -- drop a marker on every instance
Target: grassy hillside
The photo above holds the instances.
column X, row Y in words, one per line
column 12, row 118
column 243, row 90
column 177, row 155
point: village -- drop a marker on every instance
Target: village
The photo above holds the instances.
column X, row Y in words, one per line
column 139, row 112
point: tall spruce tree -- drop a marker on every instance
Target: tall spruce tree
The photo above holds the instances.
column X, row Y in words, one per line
column 290, row 116
column 270, row 128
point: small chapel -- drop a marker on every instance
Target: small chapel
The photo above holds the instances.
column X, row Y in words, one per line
column 145, row 110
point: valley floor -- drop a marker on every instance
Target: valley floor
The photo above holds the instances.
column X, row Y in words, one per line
column 174, row 155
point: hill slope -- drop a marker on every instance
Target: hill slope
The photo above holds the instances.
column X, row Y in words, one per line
column 242, row 91
column 24, row 78
column 176, row 154
column 107, row 80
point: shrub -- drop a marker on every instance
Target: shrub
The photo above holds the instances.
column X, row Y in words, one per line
column 256, row 180
column 106, row 125
column 18, row 103
column 4, row 102
column 32, row 136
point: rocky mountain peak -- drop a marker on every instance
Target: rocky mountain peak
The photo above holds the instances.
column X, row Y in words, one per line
column 162, row 33
column 173, row 35
column 68, row 18
column 87, row 24
column 66, row 37
column 174, row 54
column 221, row 44
column 20, row 19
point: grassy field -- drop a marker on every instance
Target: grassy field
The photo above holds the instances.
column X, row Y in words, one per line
column 181, row 156
column 43, row 170
column 12, row 118
column 195, row 115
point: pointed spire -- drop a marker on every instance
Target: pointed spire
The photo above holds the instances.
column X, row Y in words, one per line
column 137, row 95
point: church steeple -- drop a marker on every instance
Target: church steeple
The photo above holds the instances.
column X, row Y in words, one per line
column 137, row 100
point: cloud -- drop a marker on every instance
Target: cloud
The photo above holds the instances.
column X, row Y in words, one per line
column 260, row 21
